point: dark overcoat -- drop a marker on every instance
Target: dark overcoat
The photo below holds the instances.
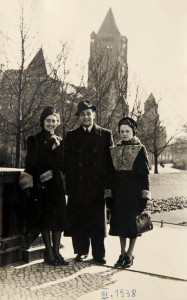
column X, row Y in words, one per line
column 87, row 164
column 48, row 198
column 130, row 183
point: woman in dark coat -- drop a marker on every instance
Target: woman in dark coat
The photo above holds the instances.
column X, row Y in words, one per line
column 130, row 188
column 44, row 163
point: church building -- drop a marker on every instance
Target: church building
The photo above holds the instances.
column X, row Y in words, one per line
column 108, row 69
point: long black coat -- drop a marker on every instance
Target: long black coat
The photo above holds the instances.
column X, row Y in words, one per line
column 130, row 183
column 48, row 198
column 87, row 162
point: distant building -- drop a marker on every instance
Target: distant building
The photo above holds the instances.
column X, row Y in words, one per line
column 151, row 132
column 23, row 94
column 176, row 153
column 108, row 69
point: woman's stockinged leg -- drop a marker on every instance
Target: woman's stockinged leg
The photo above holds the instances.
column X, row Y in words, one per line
column 131, row 247
column 120, row 260
column 56, row 236
column 48, row 256
column 128, row 257
column 47, row 243
column 123, row 245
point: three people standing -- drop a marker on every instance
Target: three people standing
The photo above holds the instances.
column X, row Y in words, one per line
column 91, row 164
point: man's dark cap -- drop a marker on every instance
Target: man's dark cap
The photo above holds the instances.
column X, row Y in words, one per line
column 85, row 104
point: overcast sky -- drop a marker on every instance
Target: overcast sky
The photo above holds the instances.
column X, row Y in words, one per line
column 156, row 32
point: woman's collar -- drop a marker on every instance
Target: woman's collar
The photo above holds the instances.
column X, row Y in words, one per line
column 134, row 141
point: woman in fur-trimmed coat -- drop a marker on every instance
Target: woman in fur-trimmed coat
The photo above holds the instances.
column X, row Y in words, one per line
column 44, row 163
column 130, row 188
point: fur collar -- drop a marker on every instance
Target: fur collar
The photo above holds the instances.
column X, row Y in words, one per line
column 135, row 141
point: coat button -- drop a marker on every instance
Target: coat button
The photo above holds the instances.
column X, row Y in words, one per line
column 80, row 177
column 80, row 165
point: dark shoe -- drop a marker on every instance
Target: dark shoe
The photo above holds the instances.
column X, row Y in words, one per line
column 80, row 257
column 50, row 262
column 128, row 261
column 119, row 261
column 100, row 261
column 61, row 261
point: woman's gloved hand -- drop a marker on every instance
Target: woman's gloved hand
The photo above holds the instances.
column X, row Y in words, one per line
column 142, row 205
column 46, row 176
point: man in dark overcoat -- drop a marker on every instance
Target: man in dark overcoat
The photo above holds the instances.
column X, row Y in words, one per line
column 87, row 165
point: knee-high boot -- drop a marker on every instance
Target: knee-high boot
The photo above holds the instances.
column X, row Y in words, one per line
column 56, row 235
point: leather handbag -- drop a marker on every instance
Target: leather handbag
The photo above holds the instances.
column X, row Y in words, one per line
column 143, row 223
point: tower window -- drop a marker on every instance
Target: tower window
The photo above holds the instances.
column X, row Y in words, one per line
column 107, row 39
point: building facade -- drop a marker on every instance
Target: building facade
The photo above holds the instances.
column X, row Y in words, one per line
column 23, row 94
column 108, row 71
column 151, row 132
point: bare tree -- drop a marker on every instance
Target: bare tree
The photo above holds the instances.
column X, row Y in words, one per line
column 118, row 98
column 151, row 131
column 121, row 86
column 101, row 74
column 69, row 94
column 24, row 92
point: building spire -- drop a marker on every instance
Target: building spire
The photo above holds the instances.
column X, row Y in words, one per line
column 37, row 66
column 109, row 26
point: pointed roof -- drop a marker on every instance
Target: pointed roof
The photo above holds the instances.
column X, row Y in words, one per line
column 109, row 26
column 37, row 65
column 151, row 98
column 93, row 34
column 151, row 104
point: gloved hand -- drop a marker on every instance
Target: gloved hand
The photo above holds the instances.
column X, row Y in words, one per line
column 142, row 205
column 46, row 176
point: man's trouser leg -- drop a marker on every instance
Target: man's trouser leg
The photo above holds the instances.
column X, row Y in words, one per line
column 81, row 244
column 98, row 247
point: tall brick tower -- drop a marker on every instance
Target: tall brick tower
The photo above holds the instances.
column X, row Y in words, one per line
column 108, row 68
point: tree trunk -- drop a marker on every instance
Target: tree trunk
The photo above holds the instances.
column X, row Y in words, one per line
column 18, row 149
column 156, row 164
column 63, row 131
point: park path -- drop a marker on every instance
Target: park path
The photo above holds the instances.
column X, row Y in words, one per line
column 169, row 182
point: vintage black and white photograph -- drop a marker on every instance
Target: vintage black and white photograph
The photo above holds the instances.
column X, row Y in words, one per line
column 93, row 149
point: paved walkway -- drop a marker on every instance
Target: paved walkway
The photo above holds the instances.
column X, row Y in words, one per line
column 159, row 272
